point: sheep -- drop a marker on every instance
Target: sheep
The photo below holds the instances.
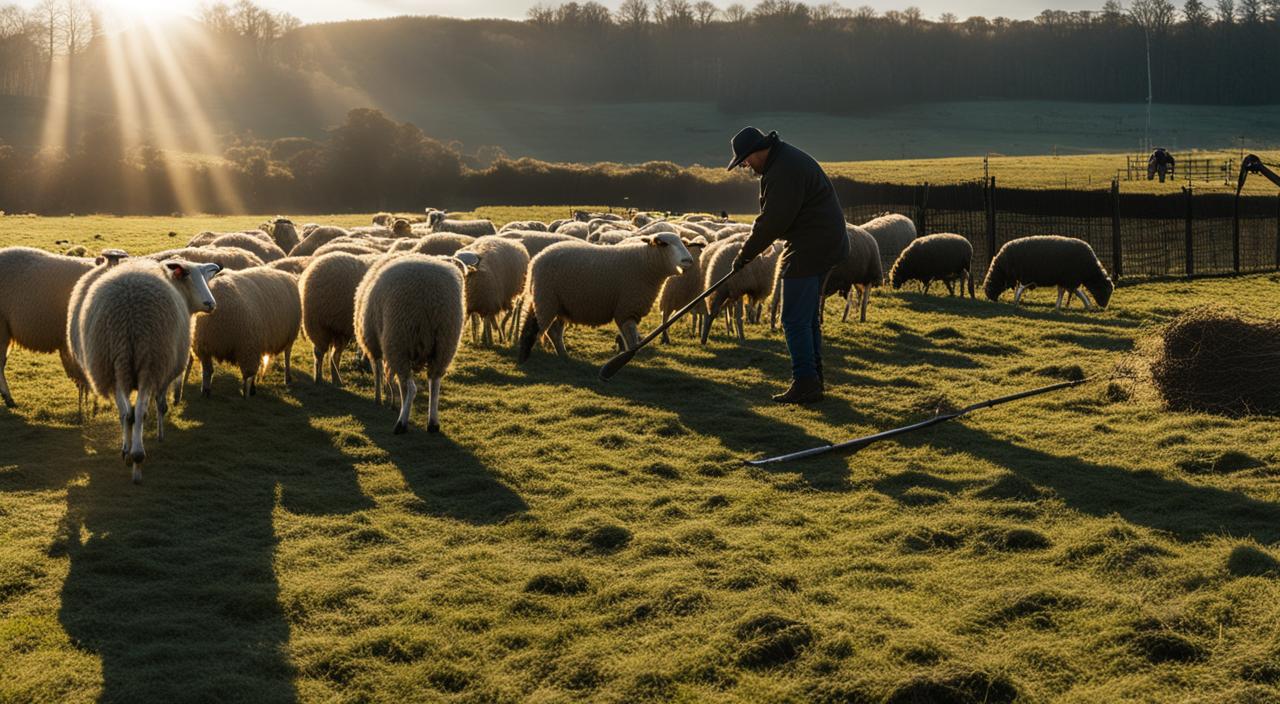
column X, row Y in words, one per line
column 495, row 279
column 350, row 246
column 35, row 288
column 609, row 237
column 753, row 282
column 328, row 290
column 134, row 330
column 524, row 225
column 438, row 222
column 384, row 219
column 317, row 238
column 534, row 242
column 259, row 314
column 293, row 265
column 441, row 245
column 892, row 232
column 944, row 257
column 679, row 290
column 267, row 250
column 854, row 275
column 642, row 219
column 409, row 315
column 584, row 216
column 401, row 228
column 574, row 229
column 576, row 282
column 206, row 238
column 1048, row 260
column 232, row 258
column 554, row 225
column 654, row 228
column 600, row 225
column 73, row 350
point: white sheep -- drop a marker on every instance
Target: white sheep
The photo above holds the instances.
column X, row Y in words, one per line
column 206, row 238
column 439, row 245
column 135, row 332
column 35, row 288
column 293, row 265
column 535, row 225
column 350, row 245
column 892, row 233
column 328, row 292
column 857, row 273
column 317, row 238
column 408, row 316
column 534, row 242
column 259, row 315
column 754, row 282
column 574, row 229
column 495, row 278
column 438, row 221
column 945, row 257
column 679, row 290
column 231, row 258
column 266, row 250
column 1048, row 260
column 73, row 349
column 577, row 282
column 284, row 234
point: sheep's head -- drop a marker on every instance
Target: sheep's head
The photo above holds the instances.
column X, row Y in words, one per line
column 467, row 261
column 1100, row 287
column 382, row 219
column 434, row 218
column 401, row 228
column 995, row 284
column 192, row 279
column 676, row 255
column 110, row 257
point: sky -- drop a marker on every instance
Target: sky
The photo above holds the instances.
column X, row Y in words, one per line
column 331, row 10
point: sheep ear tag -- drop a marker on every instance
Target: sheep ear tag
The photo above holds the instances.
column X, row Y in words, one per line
column 177, row 270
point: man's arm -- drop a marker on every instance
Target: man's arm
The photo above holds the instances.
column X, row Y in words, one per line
column 782, row 199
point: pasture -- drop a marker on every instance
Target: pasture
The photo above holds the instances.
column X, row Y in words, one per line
column 568, row 540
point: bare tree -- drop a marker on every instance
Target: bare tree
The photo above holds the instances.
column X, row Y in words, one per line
column 736, row 13
column 1154, row 17
column 1112, row 12
column 830, row 11
column 705, row 12
column 864, row 13
column 541, row 15
column 78, row 26
column 633, row 13
column 1249, row 11
column 47, row 15
column 948, row 19
column 1227, row 11
column 1195, row 13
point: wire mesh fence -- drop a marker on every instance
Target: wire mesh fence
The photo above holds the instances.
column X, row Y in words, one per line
column 1136, row 235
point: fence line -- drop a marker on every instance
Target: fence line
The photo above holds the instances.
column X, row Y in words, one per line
column 1137, row 235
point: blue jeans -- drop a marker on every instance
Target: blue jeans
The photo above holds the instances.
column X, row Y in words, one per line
column 801, row 299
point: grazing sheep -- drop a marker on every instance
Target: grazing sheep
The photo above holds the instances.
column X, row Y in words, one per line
column 534, row 242
column 679, row 290
column 284, row 234
column 535, row 225
column 856, row 273
column 657, row 226
column 206, row 238
column 441, row 245
column 1048, row 260
column 609, row 236
column 73, row 349
column 584, row 216
column 328, row 292
column 892, row 233
column 383, row 219
column 135, row 334
column 944, row 257
column 259, row 314
column 231, row 258
column 438, row 222
column 495, row 278
column 409, row 315
column 348, row 245
column 754, row 282
column 316, row 239
column 266, row 250
column 293, row 265
column 35, row 288
column 642, row 219
column 576, row 282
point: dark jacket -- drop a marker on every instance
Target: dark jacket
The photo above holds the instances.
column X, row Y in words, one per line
column 799, row 206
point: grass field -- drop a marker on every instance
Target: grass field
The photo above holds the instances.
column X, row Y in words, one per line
column 566, row 540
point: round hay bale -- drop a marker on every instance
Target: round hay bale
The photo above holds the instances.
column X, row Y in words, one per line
column 1217, row 361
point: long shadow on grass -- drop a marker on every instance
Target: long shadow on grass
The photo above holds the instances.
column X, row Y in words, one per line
column 1004, row 308
column 1185, row 510
column 172, row 583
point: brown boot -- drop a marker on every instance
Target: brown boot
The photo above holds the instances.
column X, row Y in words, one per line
column 802, row 391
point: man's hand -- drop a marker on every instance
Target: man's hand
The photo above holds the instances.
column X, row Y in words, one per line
column 739, row 262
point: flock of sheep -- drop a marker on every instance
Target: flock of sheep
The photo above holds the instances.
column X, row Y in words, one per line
column 130, row 328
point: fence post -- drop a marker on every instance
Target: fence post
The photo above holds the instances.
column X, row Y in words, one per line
column 1235, row 237
column 991, row 220
column 922, row 218
column 1189, row 241
column 1117, row 252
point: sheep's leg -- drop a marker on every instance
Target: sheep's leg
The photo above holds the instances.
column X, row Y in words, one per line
column 1058, row 305
column 335, row 357
column 968, row 277
column 630, row 334
column 737, row 320
column 179, row 388
column 1083, row 299
column 716, row 304
column 475, row 328
column 848, row 303
column 1017, row 294
column 162, row 408
column 500, row 328
column 126, row 423
column 951, row 288
column 433, row 412
column 555, row 332
column 377, row 381
column 318, row 374
column 666, row 339
column 864, row 294
column 288, row 364
column 927, row 284
column 408, row 390
column 136, row 452
column 774, row 302
column 4, row 382
column 206, row 376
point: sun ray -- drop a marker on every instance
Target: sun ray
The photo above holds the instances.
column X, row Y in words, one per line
column 53, row 130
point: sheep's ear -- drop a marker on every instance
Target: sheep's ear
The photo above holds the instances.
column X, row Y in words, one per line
column 176, row 269
column 650, row 240
column 210, row 270
column 470, row 260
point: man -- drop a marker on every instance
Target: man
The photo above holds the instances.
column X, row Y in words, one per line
column 797, row 205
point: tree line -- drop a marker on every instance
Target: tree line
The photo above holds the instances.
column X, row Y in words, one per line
column 368, row 163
